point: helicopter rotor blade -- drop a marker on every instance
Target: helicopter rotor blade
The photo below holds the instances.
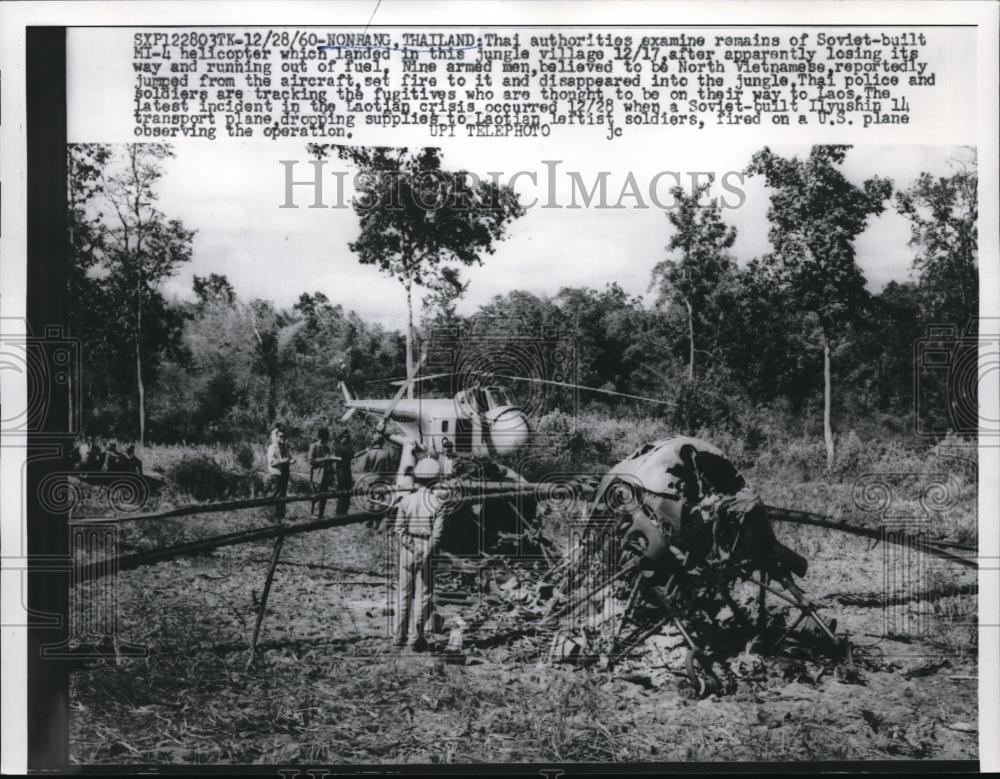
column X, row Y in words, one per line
column 551, row 382
column 402, row 391
column 402, row 382
column 586, row 389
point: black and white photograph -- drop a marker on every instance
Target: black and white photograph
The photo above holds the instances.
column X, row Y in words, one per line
column 537, row 397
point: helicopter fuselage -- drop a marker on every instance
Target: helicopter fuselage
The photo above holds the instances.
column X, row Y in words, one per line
column 480, row 422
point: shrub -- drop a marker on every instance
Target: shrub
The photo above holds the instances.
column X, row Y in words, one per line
column 244, row 457
column 699, row 406
column 201, row 477
column 852, row 455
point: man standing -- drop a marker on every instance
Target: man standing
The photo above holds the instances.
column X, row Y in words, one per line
column 419, row 521
column 345, row 479
column 95, row 457
column 113, row 459
column 278, row 463
column 132, row 463
column 376, row 456
column 447, row 458
column 321, row 467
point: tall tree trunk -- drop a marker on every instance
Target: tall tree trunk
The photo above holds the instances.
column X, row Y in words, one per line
column 138, row 369
column 690, row 339
column 409, row 339
column 827, row 430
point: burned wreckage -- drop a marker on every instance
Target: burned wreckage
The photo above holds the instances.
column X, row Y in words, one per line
column 673, row 541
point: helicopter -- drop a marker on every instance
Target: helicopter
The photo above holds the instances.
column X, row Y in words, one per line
column 669, row 533
column 481, row 421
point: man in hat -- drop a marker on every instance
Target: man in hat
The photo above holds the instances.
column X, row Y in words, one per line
column 345, row 479
column 321, row 462
column 279, row 462
column 419, row 520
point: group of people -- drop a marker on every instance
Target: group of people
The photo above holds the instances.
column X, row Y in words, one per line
column 91, row 457
column 329, row 469
column 419, row 514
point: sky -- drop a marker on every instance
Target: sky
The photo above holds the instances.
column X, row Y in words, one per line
column 230, row 194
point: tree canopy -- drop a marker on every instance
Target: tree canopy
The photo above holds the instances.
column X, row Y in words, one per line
column 420, row 223
column 943, row 213
column 223, row 367
column 816, row 214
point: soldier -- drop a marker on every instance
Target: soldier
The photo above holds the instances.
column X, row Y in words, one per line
column 376, row 456
column 321, row 462
column 95, row 457
column 447, row 458
column 419, row 522
column 278, row 464
column 345, row 479
column 131, row 462
column 75, row 457
column 113, row 459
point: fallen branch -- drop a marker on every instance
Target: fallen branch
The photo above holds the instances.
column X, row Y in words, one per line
column 481, row 492
column 894, row 536
column 99, row 569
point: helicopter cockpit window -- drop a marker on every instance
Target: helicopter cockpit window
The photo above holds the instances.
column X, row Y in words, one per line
column 502, row 396
column 497, row 396
column 480, row 399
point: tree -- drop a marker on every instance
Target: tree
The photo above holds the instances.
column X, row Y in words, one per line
column 143, row 246
column 213, row 289
column 84, row 164
column 220, row 379
column 943, row 213
column 815, row 215
column 416, row 218
column 274, row 334
column 442, row 298
column 334, row 346
column 704, row 269
column 896, row 327
column 86, row 295
column 605, row 326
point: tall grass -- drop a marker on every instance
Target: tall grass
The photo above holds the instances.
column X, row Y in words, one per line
column 930, row 481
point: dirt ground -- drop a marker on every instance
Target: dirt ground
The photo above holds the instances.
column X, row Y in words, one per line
column 327, row 688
